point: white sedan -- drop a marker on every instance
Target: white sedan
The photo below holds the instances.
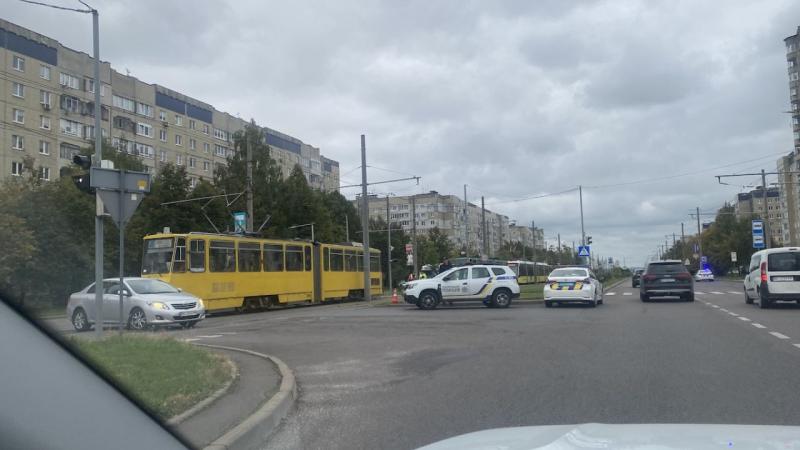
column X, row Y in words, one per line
column 704, row 275
column 573, row 285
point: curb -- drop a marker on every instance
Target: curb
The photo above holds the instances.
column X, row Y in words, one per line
column 254, row 430
column 614, row 285
column 178, row 419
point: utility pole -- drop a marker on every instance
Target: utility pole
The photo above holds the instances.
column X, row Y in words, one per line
column 249, row 190
column 683, row 243
column 414, row 235
column 767, row 236
column 699, row 237
column 347, row 227
column 559, row 248
column 388, row 244
column 365, row 219
column 533, row 250
column 483, row 229
column 466, row 222
column 98, row 157
column 583, row 232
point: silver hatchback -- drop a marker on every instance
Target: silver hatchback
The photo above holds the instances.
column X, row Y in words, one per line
column 146, row 303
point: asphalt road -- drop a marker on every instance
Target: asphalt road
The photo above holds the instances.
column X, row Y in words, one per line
column 398, row 377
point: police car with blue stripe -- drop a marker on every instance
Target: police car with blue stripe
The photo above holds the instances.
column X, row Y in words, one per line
column 494, row 285
column 572, row 285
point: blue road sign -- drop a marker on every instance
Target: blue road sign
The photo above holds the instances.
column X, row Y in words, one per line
column 584, row 250
column 758, row 234
column 239, row 221
column 703, row 259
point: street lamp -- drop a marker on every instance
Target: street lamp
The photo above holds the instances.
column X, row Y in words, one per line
column 305, row 225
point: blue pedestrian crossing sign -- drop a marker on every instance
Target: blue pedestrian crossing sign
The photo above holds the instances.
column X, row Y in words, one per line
column 583, row 250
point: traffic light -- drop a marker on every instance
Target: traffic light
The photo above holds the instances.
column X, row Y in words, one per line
column 82, row 181
column 588, row 240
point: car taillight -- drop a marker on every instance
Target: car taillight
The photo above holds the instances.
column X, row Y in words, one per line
column 648, row 277
column 764, row 272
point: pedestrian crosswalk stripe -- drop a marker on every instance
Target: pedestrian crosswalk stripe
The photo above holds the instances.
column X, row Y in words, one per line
column 626, row 293
column 717, row 293
column 610, row 293
column 732, row 292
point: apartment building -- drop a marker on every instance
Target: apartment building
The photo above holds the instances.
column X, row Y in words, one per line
column 47, row 98
column 445, row 212
column 527, row 235
column 788, row 181
column 750, row 205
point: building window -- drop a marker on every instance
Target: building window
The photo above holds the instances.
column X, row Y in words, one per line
column 16, row 168
column 178, row 139
column 206, row 166
column 67, row 80
column 791, row 63
column 17, row 142
column 18, row 90
column 143, row 129
column 45, row 98
column 71, row 128
column 193, row 183
column 219, row 134
column 19, row 116
column 192, row 124
column 144, row 150
column 44, row 173
column 192, row 162
column 123, row 103
column 44, row 72
column 44, row 147
column 89, row 85
column 18, row 63
column 220, row 150
column 144, row 109
column 205, row 129
column 793, row 76
column 179, row 160
column 162, row 155
column 162, row 135
column 192, row 144
column 45, row 123
column 206, row 147
column 178, row 120
column 70, row 104
column 162, row 115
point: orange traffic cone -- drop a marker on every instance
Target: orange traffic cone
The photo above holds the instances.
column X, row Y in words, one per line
column 394, row 297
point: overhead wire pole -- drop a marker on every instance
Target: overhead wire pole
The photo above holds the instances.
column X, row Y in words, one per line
column 466, row 222
column 485, row 250
column 699, row 236
column 388, row 245
column 533, row 240
column 683, row 244
column 249, row 197
column 365, row 219
column 414, row 236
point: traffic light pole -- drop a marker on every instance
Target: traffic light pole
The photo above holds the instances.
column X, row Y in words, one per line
column 98, row 156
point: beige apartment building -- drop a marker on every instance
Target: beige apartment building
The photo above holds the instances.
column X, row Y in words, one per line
column 527, row 235
column 446, row 212
column 47, row 97
column 750, row 205
column 788, row 181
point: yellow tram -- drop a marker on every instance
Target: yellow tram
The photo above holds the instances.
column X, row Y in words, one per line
column 229, row 271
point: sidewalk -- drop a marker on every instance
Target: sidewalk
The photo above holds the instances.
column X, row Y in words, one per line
column 258, row 380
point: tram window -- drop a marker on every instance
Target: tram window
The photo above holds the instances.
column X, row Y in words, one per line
column 349, row 261
column 337, row 260
column 359, row 261
column 273, row 258
column 375, row 262
column 179, row 265
column 197, row 255
column 157, row 255
column 307, row 253
column 326, row 252
column 221, row 256
column 249, row 257
column 294, row 258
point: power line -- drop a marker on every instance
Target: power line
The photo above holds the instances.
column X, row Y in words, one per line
column 551, row 194
column 61, row 7
column 390, row 170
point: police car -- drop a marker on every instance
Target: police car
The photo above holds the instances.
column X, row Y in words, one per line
column 494, row 285
column 572, row 285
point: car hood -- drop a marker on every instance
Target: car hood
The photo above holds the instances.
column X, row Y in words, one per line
column 174, row 297
column 602, row 436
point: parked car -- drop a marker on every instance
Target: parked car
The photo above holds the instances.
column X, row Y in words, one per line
column 146, row 303
column 494, row 285
column 666, row 279
column 572, row 285
column 704, row 275
column 637, row 277
column 773, row 276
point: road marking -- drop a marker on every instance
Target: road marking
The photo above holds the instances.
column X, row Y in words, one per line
column 778, row 335
column 733, row 314
column 717, row 293
column 723, row 310
column 744, row 318
column 626, row 293
column 190, row 340
column 610, row 293
column 758, row 325
column 796, row 345
column 700, row 293
column 734, row 293
column 209, row 336
column 714, row 306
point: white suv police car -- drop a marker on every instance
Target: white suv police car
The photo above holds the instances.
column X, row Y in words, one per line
column 493, row 285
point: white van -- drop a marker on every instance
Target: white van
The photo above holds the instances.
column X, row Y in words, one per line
column 774, row 275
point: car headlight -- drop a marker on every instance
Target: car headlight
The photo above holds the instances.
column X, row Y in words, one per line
column 200, row 303
column 159, row 305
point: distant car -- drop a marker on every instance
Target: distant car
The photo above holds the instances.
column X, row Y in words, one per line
column 146, row 303
column 637, row 277
column 572, row 285
column 494, row 285
column 704, row 275
column 665, row 279
column 774, row 275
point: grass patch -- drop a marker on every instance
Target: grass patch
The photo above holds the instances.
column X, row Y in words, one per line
column 45, row 311
column 166, row 376
column 531, row 291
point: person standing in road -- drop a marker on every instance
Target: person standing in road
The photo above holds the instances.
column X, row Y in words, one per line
column 410, row 276
column 445, row 265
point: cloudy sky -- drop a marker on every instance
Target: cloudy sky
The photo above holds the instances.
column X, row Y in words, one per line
column 514, row 99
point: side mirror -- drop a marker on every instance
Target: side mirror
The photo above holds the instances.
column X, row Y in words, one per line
column 126, row 293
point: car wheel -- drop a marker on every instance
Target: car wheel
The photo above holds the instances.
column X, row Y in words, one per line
column 763, row 303
column 189, row 324
column 501, row 298
column 593, row 304
column 79, row 320
column 428, row 300
column 644, row 297
column 747, row 298
column 137, row 320
column 548, row 304
column 690, row 297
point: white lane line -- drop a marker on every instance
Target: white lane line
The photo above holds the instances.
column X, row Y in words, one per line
column 778, row 335
column 796, row 345
column 715, row 306
column 700, row 293
column 209, row 336
column 733, row 314
column 190, row 340
column 757, row 325
column 734, row 293
column 744, row 318
column 626, row 293
column 610, row 293
column 723, row 310
column 717, row 293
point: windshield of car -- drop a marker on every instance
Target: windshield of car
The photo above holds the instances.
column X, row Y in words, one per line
column 151, row 287
column 666, row 268
column 558, row 273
